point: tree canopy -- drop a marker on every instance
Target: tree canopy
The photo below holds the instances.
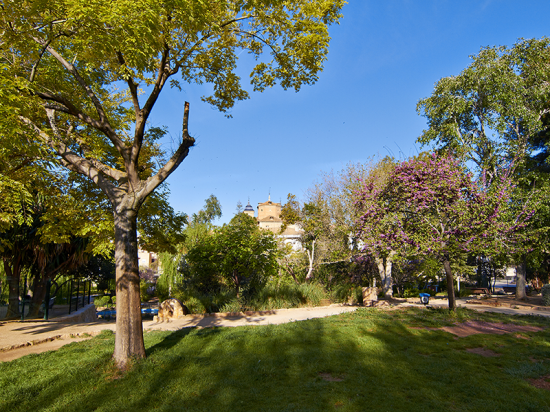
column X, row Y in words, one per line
column 82, row 78
column 432, row 206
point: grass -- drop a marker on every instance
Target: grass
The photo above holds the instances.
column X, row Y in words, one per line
column 367, row 360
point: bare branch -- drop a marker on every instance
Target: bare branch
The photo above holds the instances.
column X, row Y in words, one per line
column 35, row 65
column 131, row 85
column 183, row 150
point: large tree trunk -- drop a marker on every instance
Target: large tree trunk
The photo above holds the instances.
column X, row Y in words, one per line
column 450, row 284
column 384, row 269
column 38, row 294
column 13, row 276
column 129, row 329
column 521, row 271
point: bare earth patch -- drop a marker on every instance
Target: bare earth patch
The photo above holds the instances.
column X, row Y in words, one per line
column 472, row 327
column 329, row 378
column 483, row 352
column 541, row 383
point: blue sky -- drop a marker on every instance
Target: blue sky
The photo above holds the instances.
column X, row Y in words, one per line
column 384, row 56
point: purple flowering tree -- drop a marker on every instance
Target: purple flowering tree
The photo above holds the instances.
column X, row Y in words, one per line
column 430, row 206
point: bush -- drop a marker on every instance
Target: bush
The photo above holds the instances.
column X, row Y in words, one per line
column 546, row 295
column 103, row 301
column 462, row 293
column 343, row 293
column 414, row 293
column 232, row 306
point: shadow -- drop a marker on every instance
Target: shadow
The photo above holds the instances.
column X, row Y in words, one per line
column 366, row 360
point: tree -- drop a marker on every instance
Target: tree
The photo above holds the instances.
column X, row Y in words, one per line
column 238, row 254
column 69, row 59
column 431, row 206
column 494, row 113
column 308, row 218
column 328, row 216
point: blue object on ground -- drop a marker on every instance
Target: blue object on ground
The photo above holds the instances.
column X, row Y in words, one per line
column 106, row 313
column 424, row 298
column 149, row 311
column 112, row 312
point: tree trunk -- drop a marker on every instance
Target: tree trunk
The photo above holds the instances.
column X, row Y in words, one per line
column 38, row 294
column 310, row 256
column 13, row 277
column 521, row 271
column 384, row 269
column 129, row 329
column 450, row 284
column 237, row 284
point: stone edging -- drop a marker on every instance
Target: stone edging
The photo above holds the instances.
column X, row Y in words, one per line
column 50, row 339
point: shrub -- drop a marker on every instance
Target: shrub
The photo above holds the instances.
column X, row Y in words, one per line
column 313, row 293
column 103, row 301
column 414, row 293
column 232, row 306
column 343, row 293
column 546, row 295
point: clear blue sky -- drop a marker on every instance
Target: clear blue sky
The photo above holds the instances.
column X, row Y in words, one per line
column 384, row 57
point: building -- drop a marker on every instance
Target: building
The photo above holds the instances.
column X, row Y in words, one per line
column 269, row 218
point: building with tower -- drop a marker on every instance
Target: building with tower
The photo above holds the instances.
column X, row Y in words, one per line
column 269, row 218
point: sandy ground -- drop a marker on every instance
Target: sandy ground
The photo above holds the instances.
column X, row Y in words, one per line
column 22, row 338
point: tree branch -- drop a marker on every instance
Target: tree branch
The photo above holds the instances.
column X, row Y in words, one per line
column 183, row 150
column 95, row 170
column 131, row 85
column 106, row 127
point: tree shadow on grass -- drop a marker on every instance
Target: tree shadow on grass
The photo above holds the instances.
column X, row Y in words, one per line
column 352, row 362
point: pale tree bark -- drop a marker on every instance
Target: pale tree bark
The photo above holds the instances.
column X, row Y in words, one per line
column 521, row 272
column 311, row 257
column 384, row 269
column 450, row 284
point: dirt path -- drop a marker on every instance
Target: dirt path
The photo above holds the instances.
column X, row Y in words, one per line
column 22, row 338
column 55, row 344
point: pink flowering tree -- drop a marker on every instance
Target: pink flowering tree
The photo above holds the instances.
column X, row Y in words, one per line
column 431, row 206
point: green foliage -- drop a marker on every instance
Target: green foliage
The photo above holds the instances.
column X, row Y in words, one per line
column 289, row 296
column 494, row 114
column 237, row 255
column 249, row 368
column 103, row 301
column 545, row 291
column 414, row 293
column 343, row 293
column 72, row 82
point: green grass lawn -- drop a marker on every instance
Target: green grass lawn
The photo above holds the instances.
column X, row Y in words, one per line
column 367, row 360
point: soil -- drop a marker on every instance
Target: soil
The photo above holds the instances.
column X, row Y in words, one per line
column 483, row 352
column 471, row 327
column 510, row 301
column 329, row 377
column 541, row 383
